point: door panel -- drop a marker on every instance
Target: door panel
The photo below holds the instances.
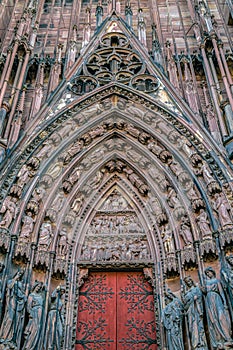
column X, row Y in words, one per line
column 116, row 312
column 135, row 312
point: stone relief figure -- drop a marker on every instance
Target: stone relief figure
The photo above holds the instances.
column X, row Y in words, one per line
column 35, row 307
column 166, row 235
column 227, row 276
column 204, row 224
column 45, row 236
column 73, row 150
column 13, row 319
column 185, row 231
column 9, row 210
column 55, row 321
column 27, row 228
column 172, row 318
column 217, row 312
column 63, row 242
column 193, row 306
column 77, row 203
column 222, row 208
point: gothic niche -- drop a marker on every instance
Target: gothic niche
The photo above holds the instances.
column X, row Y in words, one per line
column 115, row 233
column 114, row 60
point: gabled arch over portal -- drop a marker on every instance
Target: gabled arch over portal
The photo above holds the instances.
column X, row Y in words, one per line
column 106, row 132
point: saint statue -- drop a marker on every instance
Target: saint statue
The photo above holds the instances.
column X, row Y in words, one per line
column 204, row 224
column 172, row 318
column 193, row 306
column 35, row 308
column 55, row 321
column 227, row 276
column 218, row 319
column 13, row 319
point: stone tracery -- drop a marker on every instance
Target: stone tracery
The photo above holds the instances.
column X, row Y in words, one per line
column 58, row 200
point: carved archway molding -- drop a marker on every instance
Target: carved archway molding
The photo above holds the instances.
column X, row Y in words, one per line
column 146, row 131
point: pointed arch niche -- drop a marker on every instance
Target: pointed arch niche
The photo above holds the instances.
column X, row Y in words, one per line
column 111, row 182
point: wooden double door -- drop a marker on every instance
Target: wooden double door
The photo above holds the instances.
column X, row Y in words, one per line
column 116, row 312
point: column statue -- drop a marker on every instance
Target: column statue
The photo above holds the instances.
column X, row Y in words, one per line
column 35, row 308
column 172, row 318
column 193, row 306
column 218, row 318
column 227, row 276
column 55, row 321
column 13, row 319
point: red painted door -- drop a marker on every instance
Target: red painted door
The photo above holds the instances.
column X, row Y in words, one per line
column 116, row 312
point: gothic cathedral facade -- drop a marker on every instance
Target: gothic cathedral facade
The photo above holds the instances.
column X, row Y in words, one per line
column 116, row 192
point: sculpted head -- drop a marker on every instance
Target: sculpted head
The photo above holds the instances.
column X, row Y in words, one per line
column 229, row 259
column 210, row 273
column 188, row 281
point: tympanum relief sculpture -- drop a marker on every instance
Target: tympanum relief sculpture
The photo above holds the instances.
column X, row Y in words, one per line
column 115, row 233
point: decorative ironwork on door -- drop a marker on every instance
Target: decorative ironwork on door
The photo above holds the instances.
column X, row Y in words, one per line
column 116, row 312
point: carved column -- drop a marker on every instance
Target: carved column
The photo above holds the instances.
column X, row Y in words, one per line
column 72, row 300
column 211, row 117
column 8, row 71
column 5, row 67
column 3, row 112
column 229, row 77
column 18, row 89
column 213, row 91
column 38, row 96
column 224, row 77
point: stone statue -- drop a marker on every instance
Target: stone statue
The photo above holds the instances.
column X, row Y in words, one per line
column 227, row 276
column 193, row 306
column 222, row 208
column 27, row 228
column 35, row 307
column 218, row 319
column 166, row 235
column 63, row 242
column 13, row 319
column 9, row 210
column 45, row 236
column 172, row 317
column 204, row 224
column 55, row 321
column 185, row 231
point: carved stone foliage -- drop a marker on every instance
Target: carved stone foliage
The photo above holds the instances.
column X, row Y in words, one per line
column 114, row 60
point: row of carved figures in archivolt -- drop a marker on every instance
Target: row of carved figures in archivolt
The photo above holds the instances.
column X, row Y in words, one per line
column 29, row 170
